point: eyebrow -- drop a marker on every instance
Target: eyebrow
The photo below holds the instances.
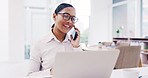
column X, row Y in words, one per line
column 68, row 13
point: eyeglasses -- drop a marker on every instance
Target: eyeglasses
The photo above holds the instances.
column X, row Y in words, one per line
column 67, row 16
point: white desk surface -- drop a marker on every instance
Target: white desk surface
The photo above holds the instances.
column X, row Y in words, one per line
column 143, row 71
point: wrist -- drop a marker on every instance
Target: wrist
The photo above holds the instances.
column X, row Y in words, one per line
column 76, row 46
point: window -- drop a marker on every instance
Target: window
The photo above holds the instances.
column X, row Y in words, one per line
column 83, row 13
column 37, row 22
column 126, row 19
column 145, row 18
column 119, row 24
column 116, row 1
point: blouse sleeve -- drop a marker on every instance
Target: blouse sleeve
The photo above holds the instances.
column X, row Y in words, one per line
column 35, row 62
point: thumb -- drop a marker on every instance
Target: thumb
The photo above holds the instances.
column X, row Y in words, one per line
column 71, row 37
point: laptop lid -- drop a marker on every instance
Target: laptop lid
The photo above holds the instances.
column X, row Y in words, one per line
column 86, row 64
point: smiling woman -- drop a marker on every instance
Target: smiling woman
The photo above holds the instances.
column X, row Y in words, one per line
column 43, row 52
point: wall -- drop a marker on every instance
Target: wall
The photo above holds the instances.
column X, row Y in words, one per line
column 4, row 30
column 100, row 23
column 16, row 30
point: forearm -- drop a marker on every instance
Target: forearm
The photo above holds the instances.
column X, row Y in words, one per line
column 40, row 73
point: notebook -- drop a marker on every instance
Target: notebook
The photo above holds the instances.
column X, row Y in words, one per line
column 85, row 64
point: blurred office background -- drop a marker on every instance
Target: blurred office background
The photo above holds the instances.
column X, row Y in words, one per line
column 25, row 21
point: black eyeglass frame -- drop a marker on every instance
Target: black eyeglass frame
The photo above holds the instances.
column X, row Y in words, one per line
column 74, row 19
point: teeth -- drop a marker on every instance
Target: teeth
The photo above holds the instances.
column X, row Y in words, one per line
column 67, row 26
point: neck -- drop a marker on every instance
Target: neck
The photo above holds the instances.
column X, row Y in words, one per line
column 58, row 34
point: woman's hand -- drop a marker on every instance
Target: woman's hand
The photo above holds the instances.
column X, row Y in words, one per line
column 51, row 71
column 75, row 43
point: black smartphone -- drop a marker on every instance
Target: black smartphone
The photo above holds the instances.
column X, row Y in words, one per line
column 75, row 34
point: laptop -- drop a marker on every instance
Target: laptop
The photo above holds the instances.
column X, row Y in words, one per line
column 85, row 64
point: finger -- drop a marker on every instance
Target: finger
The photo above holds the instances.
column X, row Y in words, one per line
column 74, row 26
column 71, row 37
column 78, row 32
column 76, row 29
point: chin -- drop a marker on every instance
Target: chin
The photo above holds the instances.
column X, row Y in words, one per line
column 66, row 32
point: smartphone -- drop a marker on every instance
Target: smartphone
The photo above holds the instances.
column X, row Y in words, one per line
column 75, row 34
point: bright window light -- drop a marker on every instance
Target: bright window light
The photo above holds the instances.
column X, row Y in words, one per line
column 4, row 30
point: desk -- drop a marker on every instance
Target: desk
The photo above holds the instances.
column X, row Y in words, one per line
column 39, row 76
column 97, row 48
column 144, row 57
column 132, row 39
column 143, row 71
column 139, row 40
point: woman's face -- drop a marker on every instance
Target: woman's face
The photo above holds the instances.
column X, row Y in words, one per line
column 60, row 23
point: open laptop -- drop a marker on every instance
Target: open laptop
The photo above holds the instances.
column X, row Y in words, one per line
column 86, row 64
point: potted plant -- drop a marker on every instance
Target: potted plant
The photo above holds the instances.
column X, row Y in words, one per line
column 118, row 32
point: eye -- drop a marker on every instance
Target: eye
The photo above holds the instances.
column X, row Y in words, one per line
column 66, row 16
column 74, row 19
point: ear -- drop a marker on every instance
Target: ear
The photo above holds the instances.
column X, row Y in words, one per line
column 54, row 16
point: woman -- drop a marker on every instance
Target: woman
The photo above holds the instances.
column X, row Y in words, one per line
column 44, row 51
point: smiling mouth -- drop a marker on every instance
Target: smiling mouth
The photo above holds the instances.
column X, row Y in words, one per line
column 67, row 26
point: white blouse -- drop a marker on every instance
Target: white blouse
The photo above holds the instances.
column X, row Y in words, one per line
column 43, row 53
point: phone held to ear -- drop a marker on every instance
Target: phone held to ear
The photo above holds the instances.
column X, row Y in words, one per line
column 74, row 35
